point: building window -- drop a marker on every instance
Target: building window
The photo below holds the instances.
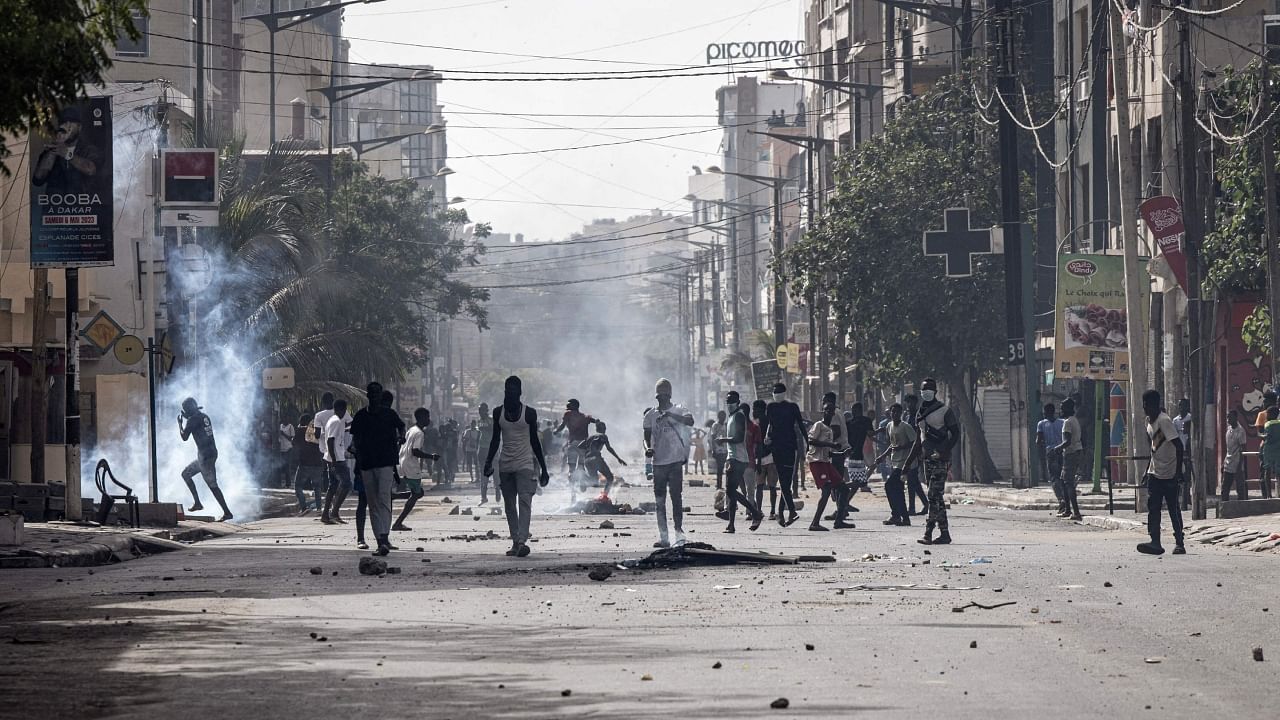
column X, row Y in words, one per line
column 126, row 46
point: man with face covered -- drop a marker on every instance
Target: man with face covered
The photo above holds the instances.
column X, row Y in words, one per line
column 377, row 432
column 735, row 440
column 785, row 427
column 666, row 443
column 193, row 423
column 939, row 431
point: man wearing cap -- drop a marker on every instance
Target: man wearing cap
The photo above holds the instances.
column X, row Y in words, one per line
column 666, row 442
column 69, row 164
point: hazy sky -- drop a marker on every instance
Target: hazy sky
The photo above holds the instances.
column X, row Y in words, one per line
column 541, row 194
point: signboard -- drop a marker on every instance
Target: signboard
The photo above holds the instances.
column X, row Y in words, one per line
column 71, row 189
column 764, row 375
column 189, row 177
column 1163, row 216
column 958, row 243
column 189, row 217
column 1091, row 339
column 277, row 378
column 793, row 358
column 129, row 350
column 800, row 333
column 758, row 50
column 102, row 331
column 780, row 355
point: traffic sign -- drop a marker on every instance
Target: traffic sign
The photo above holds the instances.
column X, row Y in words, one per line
column 102, row 331
column 128, row 349
column 781, row 356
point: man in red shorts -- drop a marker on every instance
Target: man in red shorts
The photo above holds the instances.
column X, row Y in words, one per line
column 825, row 475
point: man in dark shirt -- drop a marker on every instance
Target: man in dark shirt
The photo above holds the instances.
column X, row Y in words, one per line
column 911, row 401
column 579, row 426
column 857, row 428
column 377, row 432
column 939, row 432
column 785, row 427
column 194, row 423
column 310, row 472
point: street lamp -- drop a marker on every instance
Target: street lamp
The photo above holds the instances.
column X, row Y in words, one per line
column 283, row 20
column 779, row 283
column 359, row 147
column 854, row 89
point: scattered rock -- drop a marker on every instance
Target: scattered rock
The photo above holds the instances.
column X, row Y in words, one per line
column 372, row 566
column 646, row 677
column 394, row 570
column 467, row 511
column 717, row 666
column 445, row 501
column 1153, row 660
column 606, row 525
column 419, row 549
column 1107, row 584
column 563, row 693
column 1257, row 654
column 317, row 570
column 600, row 573
column 780, row 704
column 973, row 644
column 808, row 646
column 455, row 511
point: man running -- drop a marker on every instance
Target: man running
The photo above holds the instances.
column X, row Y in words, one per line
column 858, row 427
column 516, row 431
column 782, row 439
column 939, row 431
column 413, row 464
column 593, row 456
column 578, row 425
column 825, row 476
column 666, row 443
column 735, row 441
column 194, row 423
column 334, row 438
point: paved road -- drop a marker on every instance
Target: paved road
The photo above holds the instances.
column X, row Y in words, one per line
column 465, row 632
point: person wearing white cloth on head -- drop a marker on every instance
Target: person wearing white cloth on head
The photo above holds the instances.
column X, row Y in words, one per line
column 666, row 442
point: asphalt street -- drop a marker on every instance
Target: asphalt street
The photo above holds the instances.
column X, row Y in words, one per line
column 239, row 627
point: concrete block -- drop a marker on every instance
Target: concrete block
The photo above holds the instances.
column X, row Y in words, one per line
column 1248, row 508
column 11, row 526
column 155, row 514
column 31, row 508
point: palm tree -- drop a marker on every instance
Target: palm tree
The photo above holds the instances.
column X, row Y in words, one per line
column 760, row 346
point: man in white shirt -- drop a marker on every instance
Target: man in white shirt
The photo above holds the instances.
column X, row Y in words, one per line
column 1232, row 463
column 666, row 443
column 1163, row 477
column 413, row 464
column 334, row 441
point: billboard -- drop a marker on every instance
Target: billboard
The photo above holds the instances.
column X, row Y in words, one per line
column 1091, row 338
column 1163, row 216
column 71, row 189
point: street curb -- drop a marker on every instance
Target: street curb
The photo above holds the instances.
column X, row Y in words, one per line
column 112, row 549
column 1110, row 522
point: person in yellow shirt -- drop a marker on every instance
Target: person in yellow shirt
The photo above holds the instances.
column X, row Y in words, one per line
column 1259, row 424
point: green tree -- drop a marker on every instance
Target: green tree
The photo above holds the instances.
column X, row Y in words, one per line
column 53, row 50
column 865, row 257
column 340, row 303
column 1233, row 253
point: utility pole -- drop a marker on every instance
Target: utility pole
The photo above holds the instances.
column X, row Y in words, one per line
column 735, row 314
column 1018, row 272
column 779, row 278
column 39, row 364
column 1193, row 221
column 199, row 110
column 71, row 391
column 1135, row 281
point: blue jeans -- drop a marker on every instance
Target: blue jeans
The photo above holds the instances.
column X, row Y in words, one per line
column 309, row 477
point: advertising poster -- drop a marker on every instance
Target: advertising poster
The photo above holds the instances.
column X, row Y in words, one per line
column 764, row 374
column 1163, row 216
column 1091, row 339
column 71, row 189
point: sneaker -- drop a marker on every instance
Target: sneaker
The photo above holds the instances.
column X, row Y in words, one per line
column 794, row 517
column 523, row 551
column 818, row 528
column 680, row 539
column 382, row 551
column 362, row 545
column 728, row 531
column 304, row 512
column 1077, row 517
column 512, row 551
column 890, row 521
column 773, row 516
column 926, row 540
column 1179, row 549
column 1150, row 548
column 195, row 508
column 328, row 520
column 401, row 528
column 336, row 518
column 842, row 525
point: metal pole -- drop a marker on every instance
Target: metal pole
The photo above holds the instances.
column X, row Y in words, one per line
column 735, row 316
column 1193, row 221
column 71, row 389
column 271, row 32
column 717, row 307
column 779, row 282
column 702, row 305
column 199, row 114
column 151, row 417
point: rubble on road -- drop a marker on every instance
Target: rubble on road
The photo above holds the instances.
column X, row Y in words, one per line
column 698, row 553
column 980, row 606
column 372, row 566
column 600, row 573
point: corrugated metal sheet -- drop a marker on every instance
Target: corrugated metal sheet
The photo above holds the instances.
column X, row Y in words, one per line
column 996, row 414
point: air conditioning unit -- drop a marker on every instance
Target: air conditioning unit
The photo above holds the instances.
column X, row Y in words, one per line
column 1082, row 89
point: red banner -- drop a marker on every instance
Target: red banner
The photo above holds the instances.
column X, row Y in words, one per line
column 1163, row 215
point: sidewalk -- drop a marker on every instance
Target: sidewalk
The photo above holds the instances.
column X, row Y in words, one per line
column 66, row 544
column 1037, row 498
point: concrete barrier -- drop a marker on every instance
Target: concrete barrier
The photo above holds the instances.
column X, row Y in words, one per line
column 1248, row 508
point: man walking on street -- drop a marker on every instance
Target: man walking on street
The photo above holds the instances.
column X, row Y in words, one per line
column 485, row 427
column 1260, row 426
column 735, row 441
column 1182, row 423
column 902, row 437
column 719, row 453
column 377, row 432
column 911, row 401
column 1232, row 465
column 1048, row 438
column 334, row 438
column 825, row 476
column 939, row 431
column 1071, row 450
column 310, row 472
column 1163, row 477
column 666, row 443
column 516, row 432
column 785, row 426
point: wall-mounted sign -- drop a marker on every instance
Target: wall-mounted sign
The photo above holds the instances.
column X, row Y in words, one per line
column 1091, row 339
column 189, row 176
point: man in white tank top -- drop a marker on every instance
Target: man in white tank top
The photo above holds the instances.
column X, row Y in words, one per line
column 515, row 429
